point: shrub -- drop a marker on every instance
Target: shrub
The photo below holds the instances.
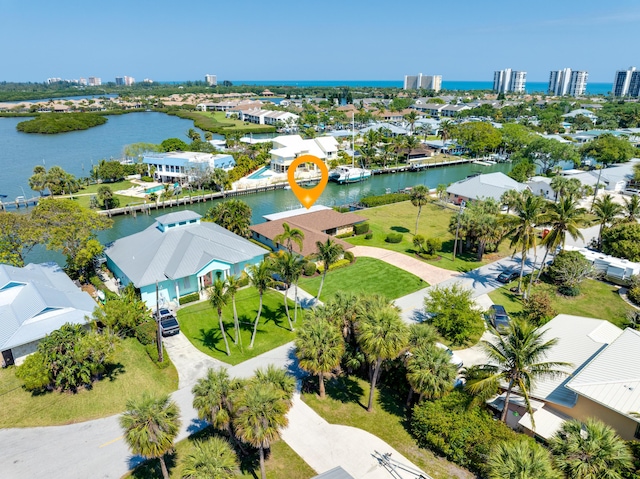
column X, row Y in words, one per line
column 146, row 332
column 459, row 430
column 152, row 352
column 394, row 238
column 454, row 314
column 338, row 264
column 622, row 241
column 255, row 241
column 537, row 307
column 370, row 201
column 634, row 294
column 349, row 255
column 361, row 228
column 569, row 269
column 345, row 235
column 342, row 209
column 189, row 298
column 433, row 245
column 309, row 268
column 418, row 242
column 369, row 235
column 146, row 179
column 569, row 290
column 121, row 315
column 243, row 281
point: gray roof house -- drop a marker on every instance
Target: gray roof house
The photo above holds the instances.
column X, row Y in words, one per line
column 34, row 301
column 491, row 185
column 182, row 254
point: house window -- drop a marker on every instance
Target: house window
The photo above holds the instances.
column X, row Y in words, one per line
column 637, row 434
column 186, row 282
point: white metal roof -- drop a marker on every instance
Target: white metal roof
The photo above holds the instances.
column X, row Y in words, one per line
column 491, row 185
column 612, row 378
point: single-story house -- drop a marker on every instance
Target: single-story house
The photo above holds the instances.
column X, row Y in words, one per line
column 35, row 300
column 287, row 148
column 176, row 166
column 491, row 185
column 317, row 225
column 541, row 186
column 582, row 111
column 181, row 254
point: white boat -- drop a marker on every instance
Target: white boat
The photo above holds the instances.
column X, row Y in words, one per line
column 349, row 174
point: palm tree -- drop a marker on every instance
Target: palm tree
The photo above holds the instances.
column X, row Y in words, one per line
column 289, row 265
column 606, row 210
column 590, row 451
column 411, row 118
column 382, row 335
column 219, row 296
column 328, row 253
column 260, row 415
column 446, row 130
column 419, row 197
column 319, row 347
column 510, row 198
column 564, row 217
column 523, row 459
column 515, row 358
column 529, row 213
column 559, row 185
column 289, row 236
column 150, row 426
column 260, row 278
column 430, row 372
column 284, row 383
column 211, row 459
column 233, row 285
column 632, row 209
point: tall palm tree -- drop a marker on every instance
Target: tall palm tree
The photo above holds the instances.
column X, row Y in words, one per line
column 343, row 310
column 632, row 209
column 289, row 265
column 328, row 253
column 211, row 459
column 219, row 297
column 606, row 210
column 212, row 399
column 446, row 130
column 590, row 451
column 564, row 217
column 319, row 347
column 529, row 213
column 559, row 185
column 150, row 426
column 430, row 372
column 289, row 236
column 510, row 198
column 260, row 278
column 411, row 118
column 261, row 413
column 382, row 335
column 521, row 459
column 515, row 358
column 233, row 285
column 419, row 197
column 284, row 383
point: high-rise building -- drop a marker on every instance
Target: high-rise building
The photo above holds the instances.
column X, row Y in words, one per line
column 567, row 82
column 420, row 81
column 622, row 83
column 119, row 81
column 212, row 80
column 125, row 81
column 508, row 80
column 94, row 81
column 82, row 81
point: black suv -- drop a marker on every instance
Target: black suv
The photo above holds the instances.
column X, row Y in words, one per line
column 499, row 318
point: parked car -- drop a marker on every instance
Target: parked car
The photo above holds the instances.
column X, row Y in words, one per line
column 278, row 282
column 499, row 318
column 169, row 326
column 508, row 276
column 165, row 313
column 455, row 359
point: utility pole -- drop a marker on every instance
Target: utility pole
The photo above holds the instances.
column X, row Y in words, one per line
column 455, row 243
column 158, row 332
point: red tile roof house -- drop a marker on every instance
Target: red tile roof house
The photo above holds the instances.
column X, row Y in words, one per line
column 317, row 225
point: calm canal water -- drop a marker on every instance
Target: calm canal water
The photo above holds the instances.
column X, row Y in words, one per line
column 75, row 152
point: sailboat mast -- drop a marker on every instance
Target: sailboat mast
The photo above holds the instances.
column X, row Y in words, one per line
column 353, row 139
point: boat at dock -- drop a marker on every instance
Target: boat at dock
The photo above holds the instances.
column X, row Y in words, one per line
column 349, row 174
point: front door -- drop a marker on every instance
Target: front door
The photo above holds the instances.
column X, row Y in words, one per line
column 7, row 358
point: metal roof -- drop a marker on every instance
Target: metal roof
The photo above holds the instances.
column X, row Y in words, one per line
column 491, row 185
column 40, row 299
column 177, row 217
column 152, row 255
column 612, row 378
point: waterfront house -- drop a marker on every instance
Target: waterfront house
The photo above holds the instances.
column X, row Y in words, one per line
column 319, row 224
column 287, row 148
column 477, row 187
column 35, row 300
column 181, row 254
column 177, row 166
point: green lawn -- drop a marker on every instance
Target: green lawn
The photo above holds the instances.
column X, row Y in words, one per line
column 281, row 462
column 366, row 275
column 345, row 404
column 597, row 300
column 216, row 122
column 199, row 323
column 434, row 222
column 134, row 373
column 118, row 185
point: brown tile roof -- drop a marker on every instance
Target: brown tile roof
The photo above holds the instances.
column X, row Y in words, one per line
column 271, row 229
column 324, row 220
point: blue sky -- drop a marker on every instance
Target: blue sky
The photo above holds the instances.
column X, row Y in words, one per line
column 310, row 40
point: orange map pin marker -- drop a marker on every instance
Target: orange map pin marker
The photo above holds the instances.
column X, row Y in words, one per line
column 308, row 196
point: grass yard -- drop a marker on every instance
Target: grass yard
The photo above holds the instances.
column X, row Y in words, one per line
column 281, row 462
column 216, row 122
column 199, row 323
column 434, row 223
column 597, row 300
column 346, row 404
column 366, row 275
column 134, row 373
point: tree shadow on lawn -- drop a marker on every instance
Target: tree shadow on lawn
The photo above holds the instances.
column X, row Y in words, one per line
column 345, row 390
column 212, row 337
column 150, row 469
column 278, row 316
column 399, row 229
column 112, row 371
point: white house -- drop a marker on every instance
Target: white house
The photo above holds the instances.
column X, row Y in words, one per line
column 266, row 117
column 175, row 166
column 287, row 148
column 491, row 185
column 541, row 186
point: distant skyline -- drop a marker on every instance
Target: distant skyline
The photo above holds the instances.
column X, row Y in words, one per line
column 332, row 40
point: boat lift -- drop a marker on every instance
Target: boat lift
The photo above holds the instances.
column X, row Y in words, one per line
column 398, row 470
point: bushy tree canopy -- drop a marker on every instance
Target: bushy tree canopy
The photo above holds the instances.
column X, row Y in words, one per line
column 622, row 241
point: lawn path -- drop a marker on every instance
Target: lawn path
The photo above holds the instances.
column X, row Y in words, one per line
column 429, row 273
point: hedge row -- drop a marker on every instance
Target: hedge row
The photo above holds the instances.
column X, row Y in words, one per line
column 370, row 201
column 189, row 298
column 338, row 264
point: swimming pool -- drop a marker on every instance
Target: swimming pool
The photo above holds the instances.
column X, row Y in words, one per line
column 261, row 174
column 154, row 189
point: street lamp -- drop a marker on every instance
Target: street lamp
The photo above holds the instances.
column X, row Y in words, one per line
column 455, row 243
